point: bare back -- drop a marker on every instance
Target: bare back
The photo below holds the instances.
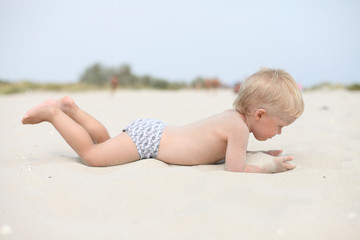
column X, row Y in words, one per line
column 202, row 142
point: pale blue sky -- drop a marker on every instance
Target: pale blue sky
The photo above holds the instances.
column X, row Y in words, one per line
column 46, row 40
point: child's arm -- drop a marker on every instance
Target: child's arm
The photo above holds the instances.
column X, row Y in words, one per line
column 270, row 152
column 235, row 159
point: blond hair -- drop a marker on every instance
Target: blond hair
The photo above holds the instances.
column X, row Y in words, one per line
column 273, row 90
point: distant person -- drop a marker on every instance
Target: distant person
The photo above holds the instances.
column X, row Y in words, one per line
column 267, row 101
column 210, row 83
column 236, row 87
column 114, row 83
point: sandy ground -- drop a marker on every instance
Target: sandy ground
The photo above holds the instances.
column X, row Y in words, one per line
column 46, row 193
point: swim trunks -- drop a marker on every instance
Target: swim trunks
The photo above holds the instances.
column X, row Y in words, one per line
column 146, row 134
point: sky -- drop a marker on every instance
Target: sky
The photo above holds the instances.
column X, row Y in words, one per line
column 55, row 41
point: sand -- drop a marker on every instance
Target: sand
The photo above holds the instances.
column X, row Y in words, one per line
column 47, row 193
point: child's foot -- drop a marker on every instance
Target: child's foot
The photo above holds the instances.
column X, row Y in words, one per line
column 40, row 113
column 67, row 105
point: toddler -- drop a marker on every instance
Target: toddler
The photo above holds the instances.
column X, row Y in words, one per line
column 266, row 102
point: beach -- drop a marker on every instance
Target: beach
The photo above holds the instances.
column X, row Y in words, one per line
column 47, row 193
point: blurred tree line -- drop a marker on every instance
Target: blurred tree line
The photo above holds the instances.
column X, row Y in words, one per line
column 101, row 76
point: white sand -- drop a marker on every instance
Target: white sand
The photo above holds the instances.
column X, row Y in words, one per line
column 46, row 193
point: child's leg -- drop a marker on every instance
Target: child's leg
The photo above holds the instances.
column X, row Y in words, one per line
column 118, row 150
column 96, row 130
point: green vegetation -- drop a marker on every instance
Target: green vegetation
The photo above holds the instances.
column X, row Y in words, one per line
column 100, row 75
column 334, row 86
column 97, row 77
column 25, row 86
column 354, row 87
column 326, row 85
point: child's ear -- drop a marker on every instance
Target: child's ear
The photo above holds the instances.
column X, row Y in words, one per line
column 260, row 113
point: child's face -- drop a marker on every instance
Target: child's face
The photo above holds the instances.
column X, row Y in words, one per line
column 266, row 127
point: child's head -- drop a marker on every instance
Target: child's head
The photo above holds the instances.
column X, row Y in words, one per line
column 273, row 90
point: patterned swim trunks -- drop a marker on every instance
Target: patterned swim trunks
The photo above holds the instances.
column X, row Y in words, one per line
column 146, row 134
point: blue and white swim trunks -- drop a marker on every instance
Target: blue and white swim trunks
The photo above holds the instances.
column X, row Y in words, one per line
column 146, row 134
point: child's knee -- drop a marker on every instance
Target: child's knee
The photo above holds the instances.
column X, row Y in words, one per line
column 90, row 159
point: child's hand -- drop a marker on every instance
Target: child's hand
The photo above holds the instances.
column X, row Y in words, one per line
column 273, row 152
column 279, row 164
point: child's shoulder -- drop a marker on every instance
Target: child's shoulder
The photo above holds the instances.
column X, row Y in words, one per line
column 228, row 120
column 234, row 125
column 232, row 119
